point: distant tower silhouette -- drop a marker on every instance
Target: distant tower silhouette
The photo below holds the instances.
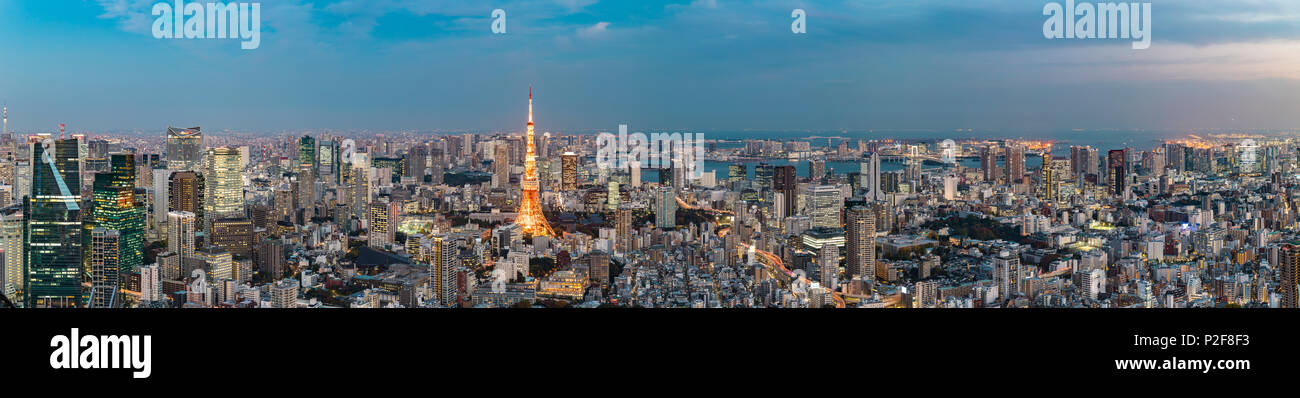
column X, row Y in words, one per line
column 874, row 193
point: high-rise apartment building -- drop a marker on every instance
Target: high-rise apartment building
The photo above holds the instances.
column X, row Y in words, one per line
column 1289, row 276
column 666, row 208
column 500, row 165
column 150, row 283
column 623, row 230
column 1014, row 168
column 181, row 229
column 442, row 270
column 11, row 248
column 104, row 268
column 860, row 242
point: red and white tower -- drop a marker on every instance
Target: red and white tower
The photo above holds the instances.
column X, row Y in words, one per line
column 530, row 218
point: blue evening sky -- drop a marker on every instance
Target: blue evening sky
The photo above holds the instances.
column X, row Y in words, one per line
column 702, row 64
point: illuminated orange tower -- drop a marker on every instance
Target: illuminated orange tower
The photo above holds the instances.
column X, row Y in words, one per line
column 530, row 217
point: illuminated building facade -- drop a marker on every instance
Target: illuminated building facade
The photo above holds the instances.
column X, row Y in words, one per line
column 116, row 208
column 569, row 171
column 307, row 152
column 223, row 184
column 442, row 270
column 383, row 222
column 53, row 233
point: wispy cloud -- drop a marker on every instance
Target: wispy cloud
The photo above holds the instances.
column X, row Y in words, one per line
column 130, row 15
column 593, row 31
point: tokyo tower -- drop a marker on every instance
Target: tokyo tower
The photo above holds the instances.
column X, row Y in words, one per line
column 530, row 218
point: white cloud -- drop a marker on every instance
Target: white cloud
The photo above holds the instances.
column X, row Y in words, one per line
column 593, row 31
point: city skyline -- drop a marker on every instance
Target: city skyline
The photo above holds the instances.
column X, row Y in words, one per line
column 703, row 65
column 192, row 187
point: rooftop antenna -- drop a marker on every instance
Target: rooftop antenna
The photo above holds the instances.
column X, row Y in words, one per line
column 62, row 128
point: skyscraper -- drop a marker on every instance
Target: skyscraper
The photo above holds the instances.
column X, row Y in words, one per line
column 383, row 222
column 53, row 232
column 104, row 267
column 666, row 208
column 1083, row 161
column 442, row 270
column 950, row 187
column 307, row 153
column 11, row 247
column 736, row 172
column 1117, row 168
column 1050, row 176
column 824, row 204
column 530, row 218
column 1015, row 164
column 816, row 170
column 623, row 230
column 871, row 170
column 763, row 175
column 569, row 168
column 829, row 262
column 1006, row 267
column 185, row 193
column 860, row 242
column 327, row 157
column 786, row 184
column 223, row 184
column 416, row 162
column 181, row 227
column 1289, row 275
column 305, row 194
column 989, row 163
column 116, row 207
column 184, row 148
column 500, row 165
